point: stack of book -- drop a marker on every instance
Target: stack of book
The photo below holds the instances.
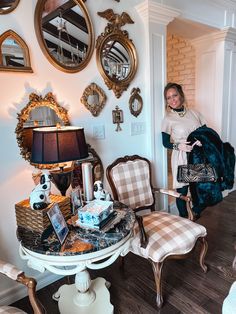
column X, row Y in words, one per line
column 96, row 214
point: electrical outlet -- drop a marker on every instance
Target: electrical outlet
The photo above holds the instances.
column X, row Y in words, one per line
column 99, row 132
column 137, row 128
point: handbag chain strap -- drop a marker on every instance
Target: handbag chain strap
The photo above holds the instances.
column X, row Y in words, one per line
column 204, row 161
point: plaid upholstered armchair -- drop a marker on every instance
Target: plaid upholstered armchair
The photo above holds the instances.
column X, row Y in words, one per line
column 13, row 273
column 158, row 236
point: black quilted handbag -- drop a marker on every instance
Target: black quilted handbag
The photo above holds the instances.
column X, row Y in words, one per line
column 196, row 173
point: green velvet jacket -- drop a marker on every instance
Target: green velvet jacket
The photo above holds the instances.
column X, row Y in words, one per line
column 221, row 156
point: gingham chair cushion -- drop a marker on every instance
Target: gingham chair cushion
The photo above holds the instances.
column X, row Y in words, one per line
column 10, row 310
column 167, row 235
column 9, row 270
column 12, row 272
column 132, row 182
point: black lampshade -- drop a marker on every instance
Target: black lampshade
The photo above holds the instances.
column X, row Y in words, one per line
column 57, row 145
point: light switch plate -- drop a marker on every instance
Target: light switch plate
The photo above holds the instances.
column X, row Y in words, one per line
column 99, row 132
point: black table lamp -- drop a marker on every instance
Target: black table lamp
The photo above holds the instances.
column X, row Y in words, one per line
column 56, row 145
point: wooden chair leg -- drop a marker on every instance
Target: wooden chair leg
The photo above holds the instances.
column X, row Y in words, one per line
column 31, row 283
column 204, row 247
column 122, row 262
column 157, row 270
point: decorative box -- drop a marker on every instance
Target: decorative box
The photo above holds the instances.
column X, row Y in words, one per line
column 37, row 220
column 92, row 214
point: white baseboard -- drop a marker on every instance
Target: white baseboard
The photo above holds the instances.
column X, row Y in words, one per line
column 19, row 291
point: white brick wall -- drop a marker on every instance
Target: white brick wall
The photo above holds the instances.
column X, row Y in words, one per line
column 181, row 65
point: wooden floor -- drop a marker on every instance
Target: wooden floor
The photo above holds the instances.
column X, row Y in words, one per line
column 186, row 288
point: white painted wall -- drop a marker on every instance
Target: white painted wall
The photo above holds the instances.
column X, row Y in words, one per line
column 149, row 36
column 15, row 179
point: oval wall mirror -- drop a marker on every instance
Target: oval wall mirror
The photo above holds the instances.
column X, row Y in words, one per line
column 65, row 33
column 135, row 102
column 116, row 53
column 6, row 6
column 40, row 111
column 14, row 53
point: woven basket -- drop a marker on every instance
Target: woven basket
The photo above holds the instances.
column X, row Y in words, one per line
column 37, row 220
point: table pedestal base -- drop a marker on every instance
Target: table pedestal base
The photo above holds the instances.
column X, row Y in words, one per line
column 101, row 304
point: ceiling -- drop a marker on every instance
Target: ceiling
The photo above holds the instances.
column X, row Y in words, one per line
column 189, row 29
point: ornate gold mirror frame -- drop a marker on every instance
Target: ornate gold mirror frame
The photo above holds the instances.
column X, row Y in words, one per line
column 8, row 6
column 116, row 54
column 24, row 134
column 135, row 102
column 94, row 99
column 14, row 53
column 65, row 33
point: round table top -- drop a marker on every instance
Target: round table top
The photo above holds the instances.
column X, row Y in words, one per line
column 80, row 240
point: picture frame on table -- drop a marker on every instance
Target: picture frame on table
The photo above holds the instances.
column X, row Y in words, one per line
column 76, row 200
column 58, row 222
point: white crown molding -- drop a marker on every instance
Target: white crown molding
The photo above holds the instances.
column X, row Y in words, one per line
column 226, row 34
column 230, row 4
column 151, row 11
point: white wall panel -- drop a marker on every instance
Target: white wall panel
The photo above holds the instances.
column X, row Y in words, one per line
column 15, row 180
column 205, row 87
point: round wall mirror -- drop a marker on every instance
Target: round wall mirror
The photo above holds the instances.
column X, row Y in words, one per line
column 39, row 112
column 6, row 6
column 115, row 60
column 65, row 33
column 116, row 53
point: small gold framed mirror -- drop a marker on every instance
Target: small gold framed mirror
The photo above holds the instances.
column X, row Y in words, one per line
column 14, row 53
column 94, row 99
column 117, row 118
column 7, row 6
column 39, row 112
column 135, row 102
column 65, row 33
column 115, row 53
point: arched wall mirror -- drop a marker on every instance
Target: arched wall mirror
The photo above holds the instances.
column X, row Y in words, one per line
column 94, row 99
column 116, row 53
column 7, row 6
column 65, row 33
column 14, row 53
column 40, row 111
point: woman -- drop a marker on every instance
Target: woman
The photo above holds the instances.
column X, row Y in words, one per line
column 177, row 124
